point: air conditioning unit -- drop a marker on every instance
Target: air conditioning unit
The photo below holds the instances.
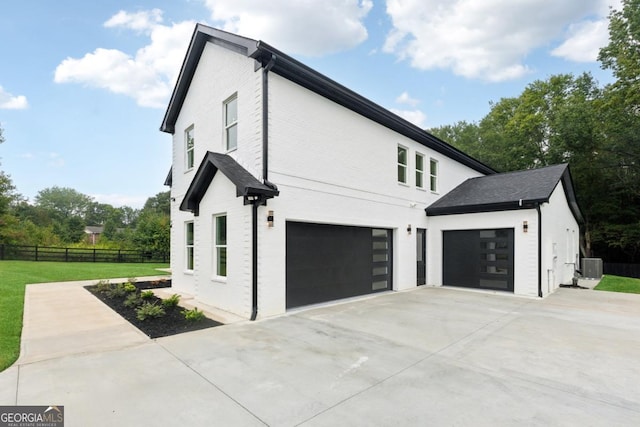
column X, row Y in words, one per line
column 592, row 268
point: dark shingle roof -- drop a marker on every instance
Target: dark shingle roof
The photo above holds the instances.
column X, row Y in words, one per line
column 507, row 191
column 246, row 184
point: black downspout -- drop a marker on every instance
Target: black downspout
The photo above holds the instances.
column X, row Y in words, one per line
column 259, row 201
column 254, row 259
column 265, row 118
column 539, row 250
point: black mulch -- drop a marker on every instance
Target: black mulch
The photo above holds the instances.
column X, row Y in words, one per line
column 173, row 322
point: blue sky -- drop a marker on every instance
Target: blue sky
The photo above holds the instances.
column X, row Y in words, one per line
column 84, row 85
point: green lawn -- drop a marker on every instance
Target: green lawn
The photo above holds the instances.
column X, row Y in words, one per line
column 14, row 275
column 619, row 284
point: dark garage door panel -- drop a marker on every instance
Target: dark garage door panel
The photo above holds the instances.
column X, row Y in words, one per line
column 328, row 262
column 479, row 258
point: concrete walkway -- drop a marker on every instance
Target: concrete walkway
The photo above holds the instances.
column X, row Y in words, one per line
column 431, row 356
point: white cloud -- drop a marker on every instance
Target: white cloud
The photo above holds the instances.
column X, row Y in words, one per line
column 149, row 75
column 487, row 39
column 142, row 21
column 416, row 117
column 404, row 98
column 300, row 27
column 118, row 200
column 584, row 42
column 12, row 102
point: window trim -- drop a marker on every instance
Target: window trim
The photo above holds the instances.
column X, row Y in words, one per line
column 228, row 126
column 419, row 172
column 400, row 165
column 433, row 177
column 188, row 150
column 189, row 252
column 219, row 246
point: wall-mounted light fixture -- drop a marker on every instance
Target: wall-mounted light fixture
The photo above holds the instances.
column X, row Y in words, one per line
column 525, row 226
column 409, row 228
column 270, row 219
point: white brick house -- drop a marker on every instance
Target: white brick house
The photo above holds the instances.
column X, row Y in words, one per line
column 289, row 189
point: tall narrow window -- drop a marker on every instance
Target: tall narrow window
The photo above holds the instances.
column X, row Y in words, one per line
column 433, row 175
column 220, row 238
column 231, row 123
column 189, row 244
column 402, row 165
column 189, row 143
column 419, row 170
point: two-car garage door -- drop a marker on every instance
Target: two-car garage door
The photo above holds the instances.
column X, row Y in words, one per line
column 330, row 262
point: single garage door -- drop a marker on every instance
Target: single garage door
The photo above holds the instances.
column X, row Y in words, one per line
column 478, row 259
column 330, row 262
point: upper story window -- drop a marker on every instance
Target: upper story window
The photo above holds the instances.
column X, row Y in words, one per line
column 220, row 239
column 419, row 170
column 433, row 175
column 189, row 144
column 231, row 123
column 189, row 245
column 402, row 164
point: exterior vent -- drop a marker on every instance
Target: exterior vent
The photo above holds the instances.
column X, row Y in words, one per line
column 592, row 268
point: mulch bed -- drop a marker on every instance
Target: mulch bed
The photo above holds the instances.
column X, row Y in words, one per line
column 173, row 322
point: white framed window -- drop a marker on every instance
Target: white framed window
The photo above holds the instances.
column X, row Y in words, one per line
column 231, row 123
column 433, row 175
column 220, row 245
column 189, row 234
column 419, row 170
column 403, row 159
column 189, row 146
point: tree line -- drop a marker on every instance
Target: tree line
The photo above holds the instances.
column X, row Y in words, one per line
column 572, row 119
column 58, row 217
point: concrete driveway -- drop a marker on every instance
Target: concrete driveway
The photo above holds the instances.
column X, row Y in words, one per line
column 431, row 356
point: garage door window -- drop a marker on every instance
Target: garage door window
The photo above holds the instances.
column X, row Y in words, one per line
column 380, row 244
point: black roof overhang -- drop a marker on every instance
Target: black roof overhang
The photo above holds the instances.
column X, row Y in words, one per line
column 247, row 186
column 308, row 78
column 493, row 207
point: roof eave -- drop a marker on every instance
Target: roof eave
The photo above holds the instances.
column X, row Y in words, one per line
column 201, row 35
column 493, row 207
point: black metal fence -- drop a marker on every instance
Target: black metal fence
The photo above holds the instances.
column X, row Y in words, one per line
column 45, row 253
column 621, row 269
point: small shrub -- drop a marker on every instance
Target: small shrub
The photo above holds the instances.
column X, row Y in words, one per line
column 132, row 280
column 172, row 301
column 193, row 315
column 116, row 291
column 130, row 287
column 132, row 300
column 103, row 286
column 149, row 311
column 146, row 294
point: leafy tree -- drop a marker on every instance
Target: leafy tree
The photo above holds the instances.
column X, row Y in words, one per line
column 622, row 54
column 64, row 202
column 160, row 203
column 153, row 232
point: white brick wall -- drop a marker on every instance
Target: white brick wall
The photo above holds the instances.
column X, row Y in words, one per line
column 525, row 244
column 560, row 244
column 220, row 74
